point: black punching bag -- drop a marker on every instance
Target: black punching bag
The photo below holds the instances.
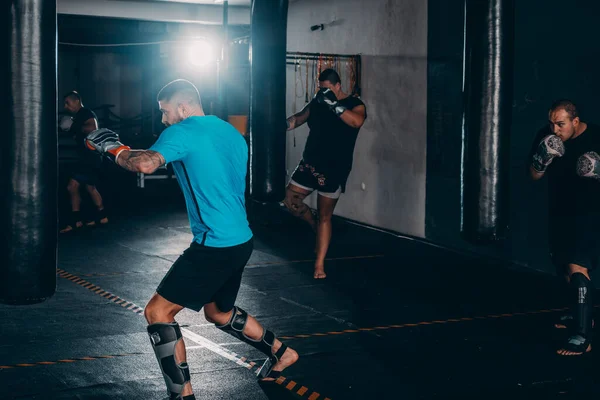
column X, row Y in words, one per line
column 268, row 27
column 28, row 152
column 487, row 123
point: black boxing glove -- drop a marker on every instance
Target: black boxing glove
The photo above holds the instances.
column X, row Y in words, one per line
column 326, row 97
column 588, row 165
column 550, row 147
column 106, row 142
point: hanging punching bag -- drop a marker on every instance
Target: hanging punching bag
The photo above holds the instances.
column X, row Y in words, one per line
column 487, row 118
column 268, row 31
column 28, row 152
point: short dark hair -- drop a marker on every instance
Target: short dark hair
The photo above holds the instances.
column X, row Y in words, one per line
column 329, row 75
column 179, row 86
column 567, row 105
column 73, row 95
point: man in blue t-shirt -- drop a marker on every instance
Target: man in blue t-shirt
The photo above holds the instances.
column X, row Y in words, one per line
column 209, row 158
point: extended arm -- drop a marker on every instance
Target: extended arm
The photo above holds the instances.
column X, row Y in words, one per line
column 107, row 143
column 145, row 161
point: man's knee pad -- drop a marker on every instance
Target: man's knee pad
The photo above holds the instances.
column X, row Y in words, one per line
column 583, row 308
column 236, row 325
column 164, row 337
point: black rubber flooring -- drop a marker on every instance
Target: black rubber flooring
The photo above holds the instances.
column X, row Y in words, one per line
column 396, row 318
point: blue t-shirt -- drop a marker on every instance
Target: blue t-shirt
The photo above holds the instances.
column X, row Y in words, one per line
column 209, row 157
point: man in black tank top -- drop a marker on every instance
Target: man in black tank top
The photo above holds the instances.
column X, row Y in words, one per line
column 568, row 152
column 85, row 170
column 334, row 119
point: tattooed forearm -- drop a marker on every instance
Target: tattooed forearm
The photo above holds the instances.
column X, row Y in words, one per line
column 146, row 161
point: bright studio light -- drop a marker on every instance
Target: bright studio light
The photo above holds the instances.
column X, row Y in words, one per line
column 201, row 53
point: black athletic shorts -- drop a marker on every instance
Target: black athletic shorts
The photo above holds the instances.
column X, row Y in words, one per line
column 311, row 178
column 575, row 240
column 86, row 171
column 85, row 178
column 203, row 275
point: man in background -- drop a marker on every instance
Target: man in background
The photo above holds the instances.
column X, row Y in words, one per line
column 85, row 170
column 334, row 119
column 567, row 153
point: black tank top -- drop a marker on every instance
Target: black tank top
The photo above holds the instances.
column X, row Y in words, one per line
column 330, row 144
column 87, row 158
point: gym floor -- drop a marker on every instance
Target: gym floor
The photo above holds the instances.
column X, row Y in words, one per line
column 395, row 318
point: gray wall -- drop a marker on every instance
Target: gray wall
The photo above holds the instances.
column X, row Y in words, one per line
column 103, row 78
column 156, row 10
column 390, row 154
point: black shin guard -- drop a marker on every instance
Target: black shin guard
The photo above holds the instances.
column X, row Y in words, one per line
column 164, row 337
column 583, row 308
column 236, row 325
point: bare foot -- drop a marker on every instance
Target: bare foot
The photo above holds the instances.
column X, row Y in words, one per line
column 575, row 342
column 288, row 358
column 564, row 352
column 69, row 228
column 66, row 229
column 102, row 222
column 319, row 272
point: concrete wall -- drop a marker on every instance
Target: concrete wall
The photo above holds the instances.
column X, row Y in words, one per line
column 390, row 154
column 103, row 78
column 154, row 11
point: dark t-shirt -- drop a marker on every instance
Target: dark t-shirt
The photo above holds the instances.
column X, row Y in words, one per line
column 330, row 144
column 88, row 159
column 569, row 194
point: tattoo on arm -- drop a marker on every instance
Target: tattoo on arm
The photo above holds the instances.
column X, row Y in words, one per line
column 146, row 161
column 302, row 116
